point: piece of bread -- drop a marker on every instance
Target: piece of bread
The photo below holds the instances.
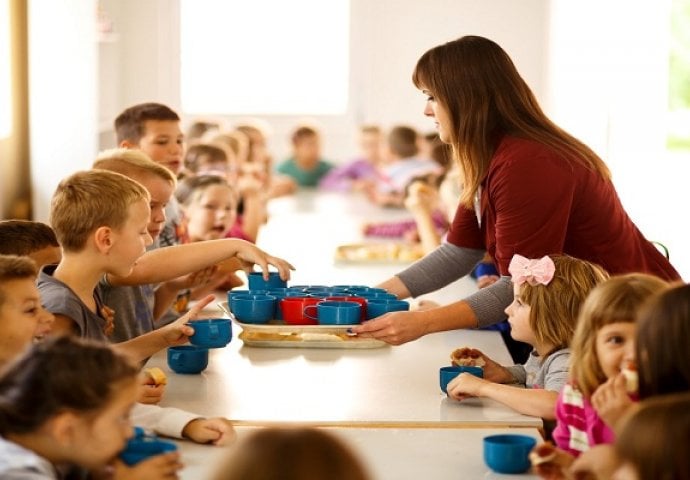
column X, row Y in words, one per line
column 467, row 357
column 632, row 383
column 158, row 375
column 541, row 454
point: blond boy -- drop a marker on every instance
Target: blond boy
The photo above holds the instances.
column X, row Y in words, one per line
column 101, row 220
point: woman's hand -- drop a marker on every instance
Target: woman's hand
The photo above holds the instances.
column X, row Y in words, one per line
column 395, row 328
column 218, row 431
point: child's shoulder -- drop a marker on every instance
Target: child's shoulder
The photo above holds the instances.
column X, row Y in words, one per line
column 19, row 462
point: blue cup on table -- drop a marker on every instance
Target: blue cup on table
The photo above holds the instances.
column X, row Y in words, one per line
column 234, row 293
column 447, row 374
column 508, row 453
column 188, row 359
column 334, row 312
column 381, row 295
column 256, row 281
column 211, row 332
column 279, row 293
column 378, row 306
column 144, row 445
column 253, row 308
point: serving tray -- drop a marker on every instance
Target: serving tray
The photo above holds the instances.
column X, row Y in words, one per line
column 281, row 335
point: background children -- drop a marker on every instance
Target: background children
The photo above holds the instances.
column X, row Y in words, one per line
column 292, row 454
column 22, row 317
column 356, row 174
column 34, row 239
column 604, row 343
column 200, row 129
column 305, row 167
column 206, row 159
column 655, row 440
column 548, row 295
column 52, row 414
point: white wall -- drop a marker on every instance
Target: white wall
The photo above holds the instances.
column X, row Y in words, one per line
column 388, row 36
column 63, row 93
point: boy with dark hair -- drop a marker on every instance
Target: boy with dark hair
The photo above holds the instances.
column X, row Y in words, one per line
column 35, row 239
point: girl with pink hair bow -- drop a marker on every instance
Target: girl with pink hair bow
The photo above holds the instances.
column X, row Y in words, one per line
column 548, row 293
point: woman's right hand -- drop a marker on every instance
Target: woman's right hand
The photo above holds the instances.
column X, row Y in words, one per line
column 160, row 467
column 394, row 328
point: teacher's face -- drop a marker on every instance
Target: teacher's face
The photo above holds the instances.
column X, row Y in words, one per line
column 440, row 115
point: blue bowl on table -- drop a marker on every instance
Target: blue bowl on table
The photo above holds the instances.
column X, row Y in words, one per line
column 508, row 453
column 447, row 374
column 144, row 445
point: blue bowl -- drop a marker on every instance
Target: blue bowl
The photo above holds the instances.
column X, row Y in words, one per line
column 187, row 359
column 143, row 446
column 253, row 308
column 446, row 374
column 211, row 332
column 508, row 453
column 256, row 281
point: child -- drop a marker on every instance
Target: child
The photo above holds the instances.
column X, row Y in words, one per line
column 400, row 167
column 654, row 442
column 200, row 129
column 34, row 239
column 548, row 295
column 100, row 218
column 22, row 317
column 53, row 415
column 292, row 454
column 305, row 167
column 357, row 173
column 206, row 159
column 603, row 346
column 209, row 207
column 155, row 129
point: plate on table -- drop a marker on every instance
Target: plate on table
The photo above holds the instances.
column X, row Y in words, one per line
column 279, row 334
column 390, row 252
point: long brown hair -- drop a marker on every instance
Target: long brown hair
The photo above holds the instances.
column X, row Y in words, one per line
column 486, row 98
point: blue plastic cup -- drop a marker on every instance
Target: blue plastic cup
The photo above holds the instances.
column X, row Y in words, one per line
column 446, row 374
column 256, row 281
column 253, row 308
column 334, row 312
column 508, row 453
column 378, row 306
column 144, row 445
column 211, row 332
column 187, row 359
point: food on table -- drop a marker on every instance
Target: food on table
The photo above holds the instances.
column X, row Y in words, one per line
column 379, row 252
column 543, row 453
column 467, row 357
column 158, row 375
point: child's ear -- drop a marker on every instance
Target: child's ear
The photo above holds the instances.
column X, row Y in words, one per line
column 127, row 144
column 103, row 238
column 63, row 428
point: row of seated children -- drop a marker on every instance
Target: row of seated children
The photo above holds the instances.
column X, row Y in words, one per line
column 56, row 419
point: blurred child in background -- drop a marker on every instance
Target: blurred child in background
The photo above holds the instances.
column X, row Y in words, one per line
column 305, row 166
column 359, row 172
column 206, row 159
column 292, row 454
column 548, row 295
column 200, row 129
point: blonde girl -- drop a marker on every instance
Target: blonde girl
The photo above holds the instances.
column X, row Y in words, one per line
column 548, row 293
column 53, row 414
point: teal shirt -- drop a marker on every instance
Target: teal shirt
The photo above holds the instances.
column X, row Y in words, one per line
column 304, row 178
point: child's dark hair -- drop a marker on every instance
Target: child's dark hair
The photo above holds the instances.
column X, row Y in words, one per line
column 292, row 454
column 24, row 237
column 61, row 373
column 203, row 151
column 302, row 133
column 402, row 141
column 641, row 442
column 13, row 267
column 663, row 339
column 199, row 128
column 129, row 125
column 189, row 187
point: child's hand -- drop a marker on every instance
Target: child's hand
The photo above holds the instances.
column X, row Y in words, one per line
column 149, row 392
column 599, row 462
column 163, row 466
column 250, row 255
column 557, row 468
column 465, row 385
column 611, row 400
column 493, row 371
column 218, row 431
column 178, row 332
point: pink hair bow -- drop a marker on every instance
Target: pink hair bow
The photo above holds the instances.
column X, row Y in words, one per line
column 534, row 272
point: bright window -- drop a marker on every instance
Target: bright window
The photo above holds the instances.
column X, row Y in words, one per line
column 679, row 77
column 5, row 71
column 265, row 56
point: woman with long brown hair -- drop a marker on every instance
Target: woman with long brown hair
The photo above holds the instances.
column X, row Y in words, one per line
column 529, row 188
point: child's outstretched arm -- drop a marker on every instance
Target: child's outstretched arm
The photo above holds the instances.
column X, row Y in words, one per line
column 167, row 263
column 528, row 401
column 175, row 333
column 218, row 431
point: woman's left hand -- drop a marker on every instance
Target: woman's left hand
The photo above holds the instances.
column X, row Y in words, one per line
column 395, row 328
